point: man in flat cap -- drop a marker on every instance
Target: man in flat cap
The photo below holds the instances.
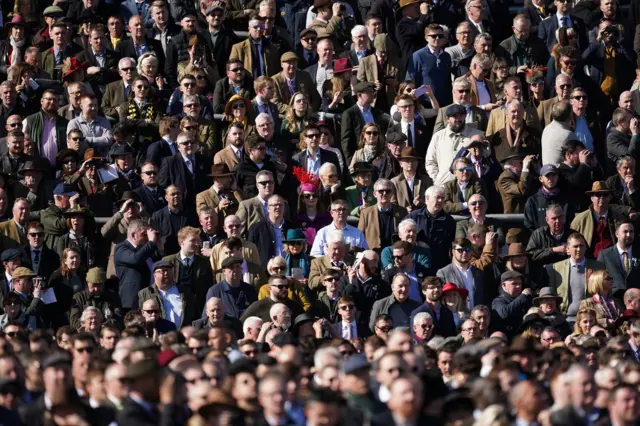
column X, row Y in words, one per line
column 236, row 295
column 96, row 295
column 511, row 305
column 291, row 80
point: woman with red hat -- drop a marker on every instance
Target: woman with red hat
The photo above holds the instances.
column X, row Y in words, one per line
column 455, row 299
column 338, row 91
column 311, row 214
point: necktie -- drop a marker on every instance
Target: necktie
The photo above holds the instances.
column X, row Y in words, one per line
column 238, row 154
column 478, row 169
column 409, row 136
column 58, row 58
column 347, row 331
column 186, row 262
column 127, row 90
column 189, row 166
column 93, row 188
column 480, row 28
column 625, row 262
column 292, row 86
column 36, row 257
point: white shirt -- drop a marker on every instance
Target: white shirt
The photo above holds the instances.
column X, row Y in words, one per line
column 172, row 302
column 410, row 183
column 467, row 281
column 352, row 236
column 405, row 129
column 324, row 73
column 483, row 93
column 348, row 330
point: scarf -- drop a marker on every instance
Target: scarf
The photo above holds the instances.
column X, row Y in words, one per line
column 147, row 112
column 509, row 131
column 609, row 308
column 369, row 153
column 549, row 193
column 16, row 54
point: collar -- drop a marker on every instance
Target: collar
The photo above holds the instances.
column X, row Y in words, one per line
column 184, row 257
column 103, row 53
column 368, row 110
column 168, row 140
column 580, row 264
column 171, row 290
column 620, row 251
column 433, row 52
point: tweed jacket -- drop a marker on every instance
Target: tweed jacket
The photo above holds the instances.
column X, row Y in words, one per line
column 303, row 83
column 558, row 275
column 210, row 199
column 270, row 56
column 401, row 197
column 369, row 71
column 369, row 224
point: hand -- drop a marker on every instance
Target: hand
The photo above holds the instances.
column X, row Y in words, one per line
column 500, row 102
column 317, row 327
column 74, row 200
column 37, row 290
column 634, row 126
column 584, row 156
column 85, row 165
column 417, row 201
column 125, row 206
column 527, row 161
column 429, row 90
column 560, row 249
column 527, row 291
column 206, row 252
column 152, row 234
column 378, row 85
column 23, row 85
column 630, row 181
column 424, row 8
column 159, row 82
column 224, row 203
column 266, row 326
column 335, row 187
column 93, row 70
column 522, row 69
column 351, row 273
column 336, row 9
column 337, row 97
column 490, row 237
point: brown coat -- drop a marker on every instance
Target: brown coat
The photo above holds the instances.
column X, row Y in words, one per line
column 249, row 252
column 305, row 84
column 401, row 196
column 529, row 142
column 210, row 199
column 368, row 71
column 452, row 205
column 474, row 89
column 369, row 224
column 270, row 56
column 498, row 119
column 227, row 157
column 11, row 237
column 514, row 190
column 544, row 110
column 318, row 266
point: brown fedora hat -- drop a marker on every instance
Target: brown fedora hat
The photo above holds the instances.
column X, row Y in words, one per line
column 598, row 187
column 515, row 249
column 405, row 3
column 409, row 153
column 220, row 170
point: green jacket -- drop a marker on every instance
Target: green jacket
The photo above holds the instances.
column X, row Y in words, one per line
column 35, row 126
column 55, row 225
column 353, row 198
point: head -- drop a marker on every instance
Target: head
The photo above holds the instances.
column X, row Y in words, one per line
column 279, row 313
column 336, row 248
column 515, row 114
column 521, row 27
column 383, row 190
column 481, row 66
column 513, row 88
column 235, row 71
column 96, row 39
column 232, row 226
column 400, row 287
column 434, row 198
column 576, row 247
column 512, row 286
column 461, row 249
column 402, row 252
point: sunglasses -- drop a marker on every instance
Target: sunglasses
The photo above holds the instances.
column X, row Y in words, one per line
column 384, row 329
column 463, row 250
column 426, row 326
column 280, row 286
column 309, row 39
column 313, row 135
column 384, row 191
column 236, row 70
column 151, row 311
column 237, row 106
column 465, row 169
column 279, row 268
column 13, row 124
column 580, row 98
column 296, row 243
column 87, row 349
column 331, row 279
column 395, row 257
column 200, row 77
column 142, row 87
column 35, row 234
column 464, row 91
column 265, row 182
column 78, row 139
column 435, row 35
column 309, row 196
column 477, row 203
column 565, row 86
column 187, row 143
column 347, row 307
column 190, row 128
column 12, row 333
column 189, row 85
column 128, row 69
column 369, row 133
column 150, row 173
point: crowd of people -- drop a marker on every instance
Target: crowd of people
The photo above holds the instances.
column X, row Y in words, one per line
column 273, row 213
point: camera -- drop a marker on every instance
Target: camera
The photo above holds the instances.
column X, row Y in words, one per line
column 343, row 8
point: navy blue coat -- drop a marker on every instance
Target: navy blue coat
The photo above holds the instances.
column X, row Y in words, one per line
column 232, row 307
column 132, row 270
column 445, row 326
column 426, row 68
column 438, row 232
column 161, row 221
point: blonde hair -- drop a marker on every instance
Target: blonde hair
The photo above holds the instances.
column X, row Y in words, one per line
column 595, row 284
column 581, row 314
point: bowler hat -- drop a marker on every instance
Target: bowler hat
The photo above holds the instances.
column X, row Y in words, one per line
column 512, row 152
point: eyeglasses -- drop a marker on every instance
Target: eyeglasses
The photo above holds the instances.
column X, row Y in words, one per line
column 313, row 135
column 565, row 86
column 301, row 101
column 463, row 250
column 236, row 70
column 79, row 138
column 265, row 182
column 404, row 106
column 12, row 333
column 35, row 234
column 142, row 87
column 150, row 173
column 371, row 133
column 346, row 353
column 87, row 349
column 331, row 279
column 435, row 35
column 340, row 210
column 478, row 203
column 127, row 69
column 384, row 191
column 280, row 286
column 347, row 307
column 256, row 27
column 465, row 169
column 200, row 77
column 191, row 105
column 602, row 195
column 468, row 330
column 309, row 196
column 580, row 97
column 187, row 85
column 398, row 257
column 151, row 311
column 279, row 268
column 237, row 106
column 309, row 39
column 276, row 205
column 569, row 62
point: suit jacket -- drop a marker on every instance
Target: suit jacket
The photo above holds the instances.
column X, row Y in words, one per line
column 270, row 56
column 174, row 171
column 203, row 276
column 127, row 49
column 210, row 199
column 133, row 270
column 558, row 277
column 444, row 325
column 134, row 414
column 49, row 261
column 325, row 156
column 548, row 27
column 151, row 203
column 610, row 258
column 227, row 156
column 497, row 119
column 303, row 83
column 271, row 107
column 49, row 61
column 451, row 274
column 452, row 203
column 402, row 196
column 251, row 212
column 369, row 224
column 108, row 73
column 535, row 16
column 10, row 236
column 161, row 220
column 352, row 124
column 421, row 137
column 221, row 49
column 34, row 414
column 318, row 266
column 361, row 329
column 479, row 117
column 263, row 235
column 369, row 71
column 353, row 56
column 223, row 91
column 538, row 53
column 544, row 110
column 585, row 223
column 113, row 98
column 187, row 298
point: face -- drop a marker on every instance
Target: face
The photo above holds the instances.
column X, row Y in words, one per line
column 402, row 259
column 406, row 108
column 233, row 273
column 235, row 72
column 481, row 71
column 383, row 194
column 188, row 86
column 626, row 234
column 96, row 41
column 374, row 27
column 347, row 311
column 444, row 363
column 513, row 90
column 256, row 29
column 586, row 322
column 400, row 288
column 435, row 202
column 215, row 311
column 232, row 227
column 17, row 32
column 116, row 27
column 423, row 328
column 515, row 115
column 136, row 28
column 275, row 207
column 469, row 330
column 366, row 97
column 576, row 248
column 625, row 406
column 481, row 318
column 91, row 322
column 20, row 211
column 7, row 94
column 272, row 397
column 626, row 100
column 521, row 30
column 325, row 52
column 188, row 23
column 89, row 107
column 456, row 122
column 433, row 292
column 550, row 180
column 434, row 37
column 461, row 254
column 150, row 311
column 186, row 146
column 300, row 104
column 513, row 287
column 463, row 171
column 83, row 350
column 309, row 42
column 49, row 103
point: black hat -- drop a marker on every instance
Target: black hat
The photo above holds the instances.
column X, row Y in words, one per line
column 121, row 149
column 231, row 260
column 128, row 195
column 302, row 319
column 308, row 31
column 532, row 318
column 364, row 86
column 284, row 339
column 9, row 254
column 56, row 358
column 510, row 275
column 67, row 152
column 161, row 264
column 455, row 109
column 361, row 167
column 395, row 137
column 89, row 16
column 242, row 365
column 355, row 363
column 35, row 165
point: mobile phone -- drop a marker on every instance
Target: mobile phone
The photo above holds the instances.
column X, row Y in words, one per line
column 421, row 91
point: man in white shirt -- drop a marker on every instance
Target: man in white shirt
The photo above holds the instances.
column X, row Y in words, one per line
column 324, row 67
column 347, row 327
column 482, row 90
column 168, row 291
column 352, row 235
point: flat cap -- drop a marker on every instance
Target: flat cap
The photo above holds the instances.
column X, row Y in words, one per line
column 364, row 86
column 53, row 10
column 161, row 264
column 96, row 276
column 213, row 8
column 396, row 137
column 456, row 110
column 56, row 358
column 231, row 260
column 510, row 275
column 288, row 56
column 64, row 189
column 122, row 149
column 9, row 254
column 355, row 363
column 22, row 272
column 307, row 32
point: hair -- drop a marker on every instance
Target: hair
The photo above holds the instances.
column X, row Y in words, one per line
column 433, row 27
column 581, row 314
column 434, row 190
column 293, row 121
column 403, row 245
column 462, row 82
column 135, row 226
column 561, row 111
column 422, row 315
column 234, row 243
column 166, row 123
column 327, row 168
column 625, row 159
column 261, row 82
column 88, row 310
column 463, row 242
column 187, row 231
column 572, row 146
column 335, row 236
column 405, row 223
column 595, row 284
column 384, row 183
column 619, row 115
column 276, row 261
column 431, row 281
column 576, row 236
column 64, row 270
column 250, row 322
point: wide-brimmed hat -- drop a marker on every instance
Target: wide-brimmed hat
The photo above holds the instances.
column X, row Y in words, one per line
column 294, row 235
column 234, row 99
column 341, row 65
column 361, row 167
column 515, row 249
column 627, row 315
column 547, row 293
column 88, row 16
column 220, row 170
column 409, row 153
column 451, row 287
column 128, row 195
column 405, row 3
column 74, row 65
column 512, row 152
column 76, row 210
column 35, row 165
column 91, row 154
column 531, row 319
column 598, row 187
column 318, row 4
column 16, row 20
column 67, row 152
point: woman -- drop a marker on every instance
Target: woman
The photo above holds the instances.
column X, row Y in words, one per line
column 516, row 134
column 499, row 74
column 360, row 195
column 278, row 266
column 607, row 309
column 567, row 37
column 371, row 150
column 455, row 298
column 148, row 68
column 21, row 75
column 298, row 262
column 517, row 260
column 67, row 163
column 311, row 215
column 585, row 319
column 533, row 324
column 238, row 110
column 78, row 238
column 535, row 80
column 327, row 141
column 68, row 275
column 142, row 109
column 74, row 71
column 338, row 90
column 408, row 87
column 296, row 118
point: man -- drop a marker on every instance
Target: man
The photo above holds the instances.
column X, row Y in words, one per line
column 562, row 19
column 117, row 93
column 177, row 304
column 255, row 162
column 548, row 243
column 54, row 57
column 252, row 270
column 464, row 185
column 278, row 294
column 191, row 270
column 235, row 294
column 558, row 132
column 355, row 117
column 233, row 153
column 623, row 185
column 96, row 295
column 52, row 218
column 268, row 235
column 253, row 210
column 217, row 317
column 435, row 227
column 462, row 273
column 399, row 306
column 169, row 129
column 511, row 305
column 210, row 231
column 482, row 89
column 498, row 117
column 415, row 131
column 220, row 198
column 623, row 405
column 10, row 105
column 382, row 69
column 72, row 110
column 359, row 46
column 465, row 33
column 533, row 50
column 14, row 158
column 440, row 317
column 132, row 259
column 597, row 223
column 353, row 236
column 478, row 210
column 163, row 30
column 549, row 193
column 407, row 231
column 11, row 259
column 178, row 50
column 404, row 263
column 445, row 144
column 47, row 129
column 232, row 228
column 42, row 39
column 365, row 284
column 587, row 125
column 151, row 194
column 219, row 38
column 102, row 61
column 36, row 256
column 623, row 139
column 322, row 70
column 580, row 168
column 116, row 28
column 569, row 276
column 263, row 102
column 336, row 250
column 96, row 129
column 14, row 231
column 432, row 65
column 311, row 158
column 257, row 53
column 409, row 184
column 380, row 222
column 172, row 219
column 139, row 44
column 348, row 328
column 619, row 260
column 563, row 87
column 187, row 170
column 238, row 82
column 329, row 20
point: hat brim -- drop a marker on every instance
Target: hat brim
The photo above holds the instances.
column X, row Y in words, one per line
column 621, row 320
column 527, row 323
column 75, row 213
column 409, row 157
column 538, row 300
column 509, row 157
column 247, row 106
column 464, row 293
column 509, row 256
column 218, row 175
column 295, row 240
column 604, row 191
column 355, row 172
column 31, row 169
column 409, row 4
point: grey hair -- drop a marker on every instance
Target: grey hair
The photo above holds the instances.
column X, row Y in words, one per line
column 574, row 370
column 600, row 375
column 407, row 222
column 251, row 322
column 434, row 190
column 135, row 226
column 88, row 310
column 278, row 260
column 264, row 116
column 277, row 309
column 383, row 182
column 262, row 173
column 625, row 159
column 358, row 30
column 461, row 82
column 554, row 208
column 400, row 275
column 335, row 236
column 326, row 168
column 190, row 99
column 422, row 315
column 515, row 102
column 322, row 352
column 141, row 59
column 7, row 83
column 122, row 62
column 483, row 36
